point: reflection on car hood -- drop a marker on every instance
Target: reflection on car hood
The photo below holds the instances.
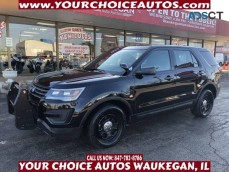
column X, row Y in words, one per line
column 52, row 78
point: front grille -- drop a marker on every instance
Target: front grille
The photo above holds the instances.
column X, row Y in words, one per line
column 37, row 93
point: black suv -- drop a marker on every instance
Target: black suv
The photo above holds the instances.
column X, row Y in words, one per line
column 107, row 93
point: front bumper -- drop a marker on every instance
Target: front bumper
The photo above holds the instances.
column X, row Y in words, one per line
column 27, row 116
column 73, row 132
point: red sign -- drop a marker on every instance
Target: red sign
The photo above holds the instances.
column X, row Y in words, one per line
column 74, row 33
column 115, row 163
column 107, row 4
column 104, row 166
column 74, row 49
column 2, row 26
column 222, row 50
column 168, row 18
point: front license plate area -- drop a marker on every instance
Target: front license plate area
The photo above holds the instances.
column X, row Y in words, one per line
column 23, row 111
column 11, row 96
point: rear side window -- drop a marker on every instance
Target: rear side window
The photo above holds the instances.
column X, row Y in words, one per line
column 209, row 58
column 185, row 59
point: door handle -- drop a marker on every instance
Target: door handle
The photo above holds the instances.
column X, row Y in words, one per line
column 169, row 78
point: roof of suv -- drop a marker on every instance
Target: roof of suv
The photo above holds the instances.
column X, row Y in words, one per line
column 163, row 46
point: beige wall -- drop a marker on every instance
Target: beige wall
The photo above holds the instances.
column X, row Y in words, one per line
column 33, row 47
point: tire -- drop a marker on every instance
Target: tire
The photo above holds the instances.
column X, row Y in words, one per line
column 38, row 69
column 106, row 127
column 203, row 107
column 19, row 69
column 31, row 70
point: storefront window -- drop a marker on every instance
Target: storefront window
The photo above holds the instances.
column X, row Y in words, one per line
column 160, row 40
column 221, row 44
column 32, row 37
column 220, row 47
column 223, row 48
column 195, row 43
column 179, row 41
column 3, row 50
column 210, row 45
column 107, row 39
column 137, row 38
column 76, row 44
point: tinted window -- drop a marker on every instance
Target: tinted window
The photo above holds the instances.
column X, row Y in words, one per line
column 209, row 58
column 185, row 59
column 159, row 59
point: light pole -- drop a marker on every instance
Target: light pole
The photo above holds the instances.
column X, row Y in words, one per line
column 8, row 35
column 20, row 36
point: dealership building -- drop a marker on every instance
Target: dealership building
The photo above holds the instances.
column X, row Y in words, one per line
column 84, row 34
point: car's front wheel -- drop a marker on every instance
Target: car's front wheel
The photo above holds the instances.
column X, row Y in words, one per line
column 203, row 107
column 107, row 126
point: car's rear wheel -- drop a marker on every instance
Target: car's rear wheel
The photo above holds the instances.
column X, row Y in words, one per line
column 106, row 127
column 203, row 107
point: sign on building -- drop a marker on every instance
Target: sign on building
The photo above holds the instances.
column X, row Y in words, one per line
column 9, row 42
column 2, row 26
column 68, row 33
column 74, row 49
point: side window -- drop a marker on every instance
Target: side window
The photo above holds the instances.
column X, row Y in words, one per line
column 209, row 58
column 159, row 59
column 185, row 59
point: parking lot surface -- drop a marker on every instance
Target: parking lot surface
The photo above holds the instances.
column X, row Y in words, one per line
column 167, row 136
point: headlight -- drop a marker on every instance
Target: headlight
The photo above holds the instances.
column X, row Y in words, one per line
column 64, row 94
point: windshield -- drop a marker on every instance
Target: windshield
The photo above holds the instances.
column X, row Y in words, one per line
column 112, row 63
column 101, row 58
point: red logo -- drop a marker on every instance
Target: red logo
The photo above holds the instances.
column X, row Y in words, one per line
column 2, row 25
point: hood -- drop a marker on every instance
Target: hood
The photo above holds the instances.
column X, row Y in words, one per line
column 52, row 78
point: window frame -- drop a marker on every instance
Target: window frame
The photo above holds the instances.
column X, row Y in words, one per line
column 191, row 52
column 158, row 49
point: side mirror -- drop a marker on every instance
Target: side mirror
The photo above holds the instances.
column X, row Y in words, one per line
column 147, row 71
column 125, row 67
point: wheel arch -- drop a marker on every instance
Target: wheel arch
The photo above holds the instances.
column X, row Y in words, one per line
column 210, row 87
column 119, row 102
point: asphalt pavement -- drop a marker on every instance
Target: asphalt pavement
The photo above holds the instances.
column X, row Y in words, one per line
column 167, row 136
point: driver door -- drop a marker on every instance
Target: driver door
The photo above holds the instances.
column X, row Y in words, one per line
column 155, row 91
